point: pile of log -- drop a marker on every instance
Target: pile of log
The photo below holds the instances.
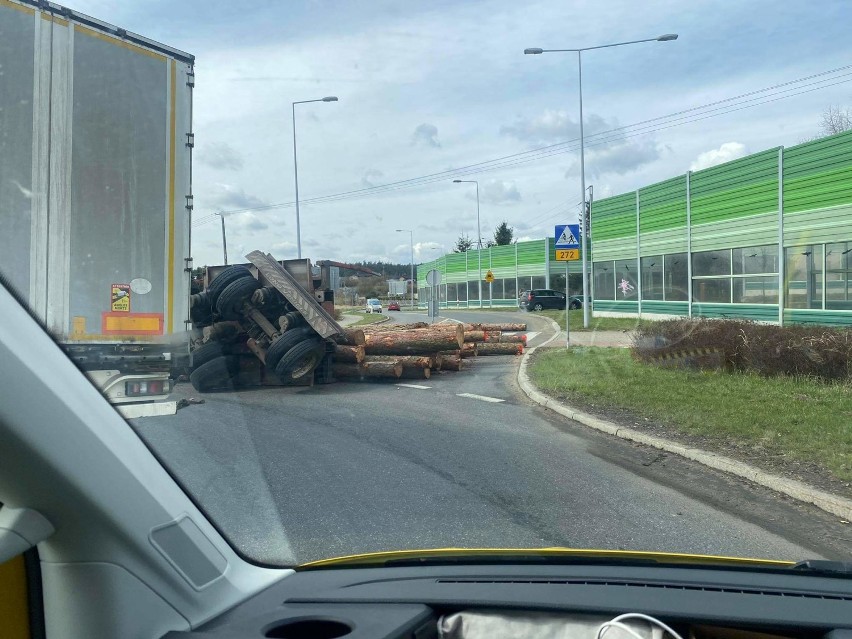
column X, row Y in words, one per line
column 415, row 351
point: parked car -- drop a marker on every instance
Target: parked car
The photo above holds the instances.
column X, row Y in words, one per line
column 576, row 301
column 394, row 306
column 540, row 299
column 373, row 306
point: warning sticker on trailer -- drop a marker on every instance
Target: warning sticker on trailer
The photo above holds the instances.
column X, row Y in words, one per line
column 120, row 299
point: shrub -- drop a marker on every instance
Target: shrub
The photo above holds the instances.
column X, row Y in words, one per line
column 737, row 345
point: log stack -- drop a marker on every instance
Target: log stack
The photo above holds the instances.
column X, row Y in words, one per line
column 415, row 351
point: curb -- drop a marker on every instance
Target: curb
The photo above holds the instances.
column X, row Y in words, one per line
column 828, row 502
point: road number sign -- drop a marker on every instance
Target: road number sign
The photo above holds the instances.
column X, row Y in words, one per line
column 567, row 255
column 489, row 277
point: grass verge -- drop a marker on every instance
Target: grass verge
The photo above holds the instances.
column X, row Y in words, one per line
column 575, row 320
column 793, row 418
column 367, row 318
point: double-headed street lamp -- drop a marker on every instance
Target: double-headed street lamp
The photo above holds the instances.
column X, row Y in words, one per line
column 411, row 239
column 536, row 51
column 330, row 98
column 478, row 234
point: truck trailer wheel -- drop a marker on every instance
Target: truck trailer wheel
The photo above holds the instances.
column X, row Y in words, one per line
column 227, row 277
column 215, row 375
column 230, row 302
column 205, row 353
column 300, row 360
column 288, row 340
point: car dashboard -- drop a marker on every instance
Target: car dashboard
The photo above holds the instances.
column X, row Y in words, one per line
column 411, row 601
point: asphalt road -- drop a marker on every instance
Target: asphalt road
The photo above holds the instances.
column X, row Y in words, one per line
column 462, row 459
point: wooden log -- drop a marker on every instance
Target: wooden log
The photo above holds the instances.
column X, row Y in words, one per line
column 468, row 349
column 416, row 373
column 451, row 363
column 365, row 370
column 389, row 326
column 509, row 327
column 407, row 361
column 506, row 339
column 422, row 341
column 488, row 348
column 475, row 336
column 348, row 354
column 441, row 356
column 352, row 337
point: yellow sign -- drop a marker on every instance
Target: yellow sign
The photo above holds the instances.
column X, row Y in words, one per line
column 120, row 298
column 567, row 255
column 489, row 277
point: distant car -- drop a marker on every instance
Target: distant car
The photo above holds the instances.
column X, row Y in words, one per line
column 373, row 306
column 540, row 299
column 394, row 306
column 576, row 301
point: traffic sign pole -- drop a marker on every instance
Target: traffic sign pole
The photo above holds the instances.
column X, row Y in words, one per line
column 567, row 245
column 567, row 306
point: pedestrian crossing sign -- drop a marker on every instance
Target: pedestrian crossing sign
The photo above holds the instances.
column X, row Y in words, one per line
column 567, row 236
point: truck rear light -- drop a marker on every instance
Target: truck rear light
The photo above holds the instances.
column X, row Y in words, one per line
column 148, row 387
column 530, row 295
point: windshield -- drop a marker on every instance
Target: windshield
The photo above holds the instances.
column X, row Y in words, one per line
column 627, row 329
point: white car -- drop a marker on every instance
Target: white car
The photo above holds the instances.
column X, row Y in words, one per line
column 373, row 306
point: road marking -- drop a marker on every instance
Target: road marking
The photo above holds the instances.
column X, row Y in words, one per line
column 532, row 335
column 480, row 397
column 415, row 386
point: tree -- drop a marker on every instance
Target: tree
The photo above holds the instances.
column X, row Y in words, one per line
column 463, row 244
column 835, row 120
column 504, row 234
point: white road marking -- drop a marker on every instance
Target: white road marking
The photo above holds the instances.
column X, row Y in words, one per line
column 415, row 386
column 532, row 335
column 480, row 397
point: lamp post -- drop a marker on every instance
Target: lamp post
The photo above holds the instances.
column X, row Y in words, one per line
column 411, row 238
column 537, row 51
column 224, row 240
column 478, row 235
column 330, row 98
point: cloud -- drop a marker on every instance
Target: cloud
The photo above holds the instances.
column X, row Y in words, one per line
column 224, row 197
column 426, row 135
column 367, row 180
column 500, row 192
column 725, row 153
column 219, row 155
column 618, row 157
column 245, row 222
column 553, row 126
column 283, row 247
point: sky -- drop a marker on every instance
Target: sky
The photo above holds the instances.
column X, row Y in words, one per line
column 427, row 87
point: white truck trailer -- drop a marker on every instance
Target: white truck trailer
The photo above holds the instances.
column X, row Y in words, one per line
column 95, row 192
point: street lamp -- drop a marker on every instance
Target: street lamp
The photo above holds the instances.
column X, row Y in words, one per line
column 478, row 234
column 329, row 98
column 224, row 241
column 537, row 51
column 411, row 238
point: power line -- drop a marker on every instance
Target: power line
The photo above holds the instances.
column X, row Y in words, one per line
column 639, row 128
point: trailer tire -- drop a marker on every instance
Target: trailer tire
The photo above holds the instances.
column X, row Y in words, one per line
column 230, row 302
column 288, row 340
column 227, row 277
column 215, row 375
column 200, row 311
column 300, row 360
column 205, row 353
